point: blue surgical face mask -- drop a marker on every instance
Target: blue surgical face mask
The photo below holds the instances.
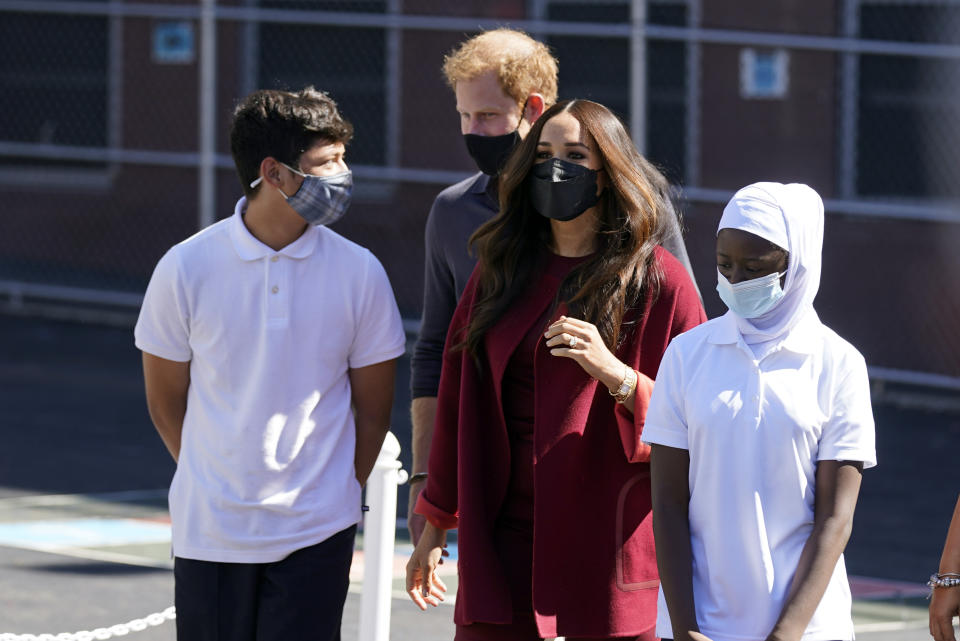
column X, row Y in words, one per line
column 751, row 298
column 320, row 200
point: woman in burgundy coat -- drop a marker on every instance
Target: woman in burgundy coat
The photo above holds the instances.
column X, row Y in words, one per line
column 536, row 457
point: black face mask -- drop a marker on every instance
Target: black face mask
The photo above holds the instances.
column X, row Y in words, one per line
column 562, row 190
column 491, row 152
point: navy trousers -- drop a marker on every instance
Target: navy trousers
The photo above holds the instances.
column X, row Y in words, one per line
column 299, row 598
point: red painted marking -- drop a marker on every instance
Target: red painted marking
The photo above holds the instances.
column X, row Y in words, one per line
column 156, row 519
column 862, row 587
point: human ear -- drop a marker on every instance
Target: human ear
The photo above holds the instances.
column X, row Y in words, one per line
column 270, row 170
column 785, row 263
column 602, row 181
column 534, row 108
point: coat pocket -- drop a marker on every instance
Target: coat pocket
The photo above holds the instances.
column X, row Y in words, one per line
column 636, row 555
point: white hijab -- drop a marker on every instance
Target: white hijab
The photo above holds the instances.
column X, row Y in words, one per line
column 791, row 217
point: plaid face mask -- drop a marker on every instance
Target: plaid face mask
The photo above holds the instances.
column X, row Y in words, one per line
column 321, row 200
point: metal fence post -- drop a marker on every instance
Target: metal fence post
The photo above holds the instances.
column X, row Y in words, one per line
column 208, row 99
column 379, row 530
column 638, row 74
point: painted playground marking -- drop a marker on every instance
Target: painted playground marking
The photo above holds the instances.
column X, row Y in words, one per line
column 867, row 588
column 90, row 539
column 97, row 539
column 89, row 532
column 50, row 500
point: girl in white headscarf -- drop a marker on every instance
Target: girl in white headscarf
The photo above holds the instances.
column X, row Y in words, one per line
column 761, row 424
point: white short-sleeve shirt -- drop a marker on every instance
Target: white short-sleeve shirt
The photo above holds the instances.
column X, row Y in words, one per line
column 755, row 430
column 266, row 463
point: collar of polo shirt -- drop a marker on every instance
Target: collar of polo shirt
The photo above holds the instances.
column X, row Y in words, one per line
column 801, row 339
column 249, row 248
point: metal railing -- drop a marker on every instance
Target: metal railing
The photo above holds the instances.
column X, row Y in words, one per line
column 36, row 278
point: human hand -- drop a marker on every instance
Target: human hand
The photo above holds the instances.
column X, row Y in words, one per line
column 944, row 606
column 415, row 522
column 423, row 585
column 580, row 340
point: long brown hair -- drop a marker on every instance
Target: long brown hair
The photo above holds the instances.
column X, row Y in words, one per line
column 632, row 211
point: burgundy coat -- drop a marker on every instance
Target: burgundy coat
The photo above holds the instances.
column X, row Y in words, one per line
column 594, row 566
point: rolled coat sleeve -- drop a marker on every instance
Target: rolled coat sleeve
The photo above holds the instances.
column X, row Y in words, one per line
column 676, row 309
column 438, row 501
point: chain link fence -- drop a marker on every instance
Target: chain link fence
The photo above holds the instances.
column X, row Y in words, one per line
column 115, row 115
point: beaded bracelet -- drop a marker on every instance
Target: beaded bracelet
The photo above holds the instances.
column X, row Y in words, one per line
column 944, row 580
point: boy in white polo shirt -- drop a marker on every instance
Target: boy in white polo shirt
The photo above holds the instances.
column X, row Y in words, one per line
column 269, row 346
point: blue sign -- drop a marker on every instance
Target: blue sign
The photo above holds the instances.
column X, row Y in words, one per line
column 173, row 42
column 764, row 74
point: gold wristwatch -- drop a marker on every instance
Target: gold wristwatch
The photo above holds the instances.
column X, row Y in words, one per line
column 626, row 387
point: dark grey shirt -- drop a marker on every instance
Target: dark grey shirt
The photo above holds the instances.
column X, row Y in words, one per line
column 456, row 213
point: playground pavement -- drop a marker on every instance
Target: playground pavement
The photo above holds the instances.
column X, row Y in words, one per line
column 84, row 527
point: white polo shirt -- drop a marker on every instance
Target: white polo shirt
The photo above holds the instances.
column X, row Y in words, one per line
column 755, row 431
column 266, row 461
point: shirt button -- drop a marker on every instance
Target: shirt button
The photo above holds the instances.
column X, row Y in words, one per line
column 275, row 289
column 274, row 259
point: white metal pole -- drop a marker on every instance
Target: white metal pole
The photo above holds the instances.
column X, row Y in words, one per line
column 638, row 73
column 379, row 530
column 208, row 100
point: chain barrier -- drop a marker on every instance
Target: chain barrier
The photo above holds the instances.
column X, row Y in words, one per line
column 378, row 546
column 119, row 630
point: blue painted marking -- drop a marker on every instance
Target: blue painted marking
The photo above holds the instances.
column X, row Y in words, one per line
column 452, row 549
column 83, row 533
column 405, row 550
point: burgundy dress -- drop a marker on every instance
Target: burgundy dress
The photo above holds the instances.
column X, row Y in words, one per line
column 545, row 476
column 513, row 530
